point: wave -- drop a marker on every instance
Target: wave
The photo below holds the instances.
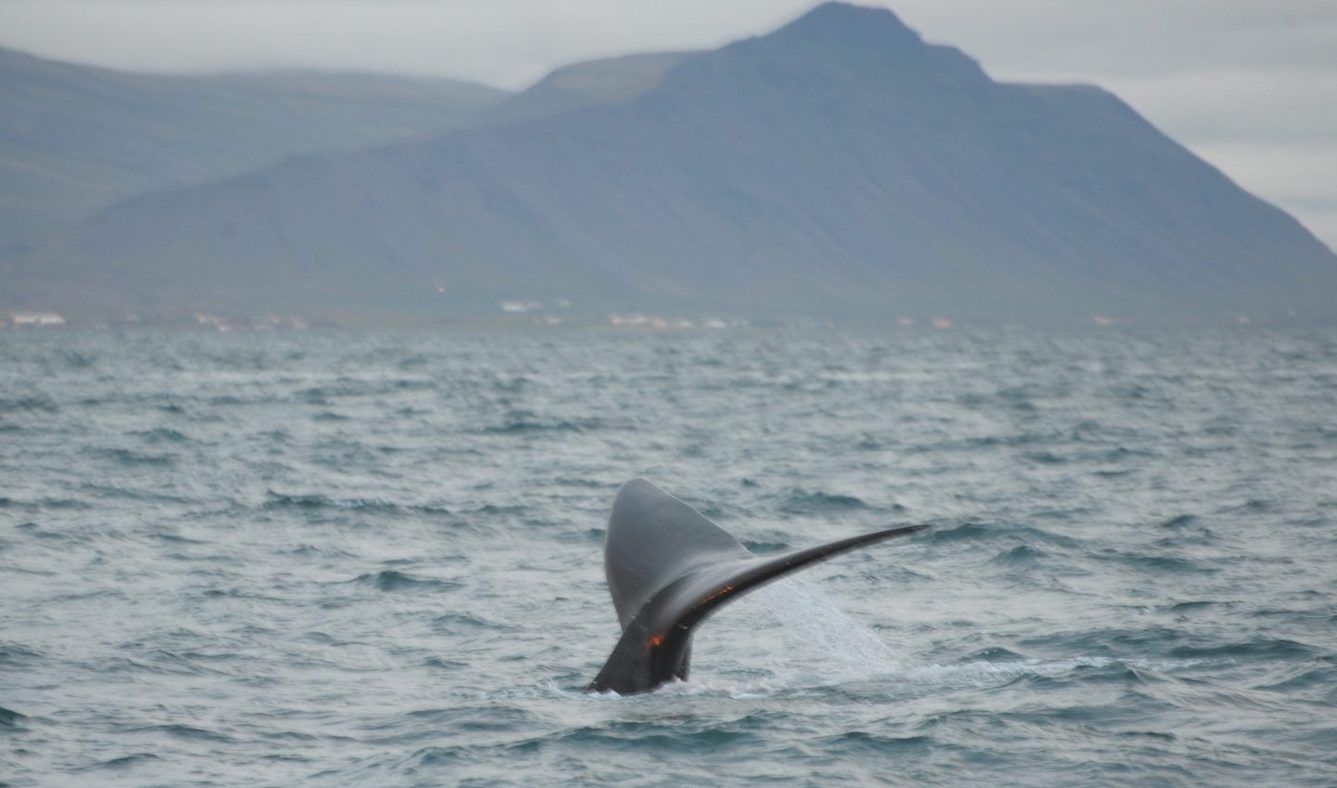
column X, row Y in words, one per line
column 160, row 435
column 10, row 719
column 123, row 762
column 391, row 580
column 131, row 457
column 800, row 501
column 1019, row 556
column 318, row 501
column 1251, row 650
column 29, row 404
column 988, row 532
column 528, row 426
column 1160, row 564
column 181, row 731
column 17, row 655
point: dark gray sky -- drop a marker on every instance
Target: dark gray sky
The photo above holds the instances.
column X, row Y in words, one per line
column 1250, row 85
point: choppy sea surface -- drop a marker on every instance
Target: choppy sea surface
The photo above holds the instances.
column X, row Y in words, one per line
column 375, row 558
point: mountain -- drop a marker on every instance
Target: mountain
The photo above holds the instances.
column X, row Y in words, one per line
column 587, row 84
column 74, row 139
column 838, row 166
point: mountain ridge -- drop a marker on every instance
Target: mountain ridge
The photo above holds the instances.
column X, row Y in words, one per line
column 813, row 170
column 76, row 138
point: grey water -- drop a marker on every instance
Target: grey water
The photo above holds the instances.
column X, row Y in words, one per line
column 374, row 558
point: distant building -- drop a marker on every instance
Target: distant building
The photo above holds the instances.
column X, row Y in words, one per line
column 35, row 319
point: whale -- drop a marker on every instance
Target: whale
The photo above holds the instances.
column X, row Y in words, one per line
column 669, row 567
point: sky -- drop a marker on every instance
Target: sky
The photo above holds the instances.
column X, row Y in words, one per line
column 1249, row 85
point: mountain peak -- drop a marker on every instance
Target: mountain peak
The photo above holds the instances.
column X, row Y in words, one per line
column 851, row 25
column 861, row 42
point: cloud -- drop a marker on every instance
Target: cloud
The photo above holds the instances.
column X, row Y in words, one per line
column 1295, row 107
column 1299, row 178
column 1133, row 37
column 507, row 42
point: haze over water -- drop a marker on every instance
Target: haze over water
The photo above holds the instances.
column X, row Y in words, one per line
column 376, row 558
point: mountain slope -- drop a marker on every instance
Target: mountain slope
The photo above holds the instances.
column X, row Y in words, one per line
column 76, row 138
column 839, row 165
column 587, row 84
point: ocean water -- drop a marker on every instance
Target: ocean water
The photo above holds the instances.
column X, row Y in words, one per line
column 374, row 558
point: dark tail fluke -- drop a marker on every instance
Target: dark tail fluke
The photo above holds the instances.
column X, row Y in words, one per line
column 669, row 568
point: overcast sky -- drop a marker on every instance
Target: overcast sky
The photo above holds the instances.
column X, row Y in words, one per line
column 1250, row 85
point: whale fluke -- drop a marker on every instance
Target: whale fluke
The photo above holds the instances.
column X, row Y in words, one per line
column 668, row 568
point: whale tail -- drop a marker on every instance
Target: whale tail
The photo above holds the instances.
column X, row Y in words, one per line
column 668, row 568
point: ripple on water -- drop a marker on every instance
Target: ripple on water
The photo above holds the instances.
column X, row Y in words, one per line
column 392, row 580
column 458, row 623
column 1315, row 680
column 187, row 732
column 372, row 506
column 1257, row 649
column 18, row 655
column 123, row 762
column 530, row 426
column 815, row 502
column 374, row 558
column 29, row 404
column 990, row 532
column 1155, row 563
column 131, row 457
column 161, row 435
column 10, row 720
column 1021, row 556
